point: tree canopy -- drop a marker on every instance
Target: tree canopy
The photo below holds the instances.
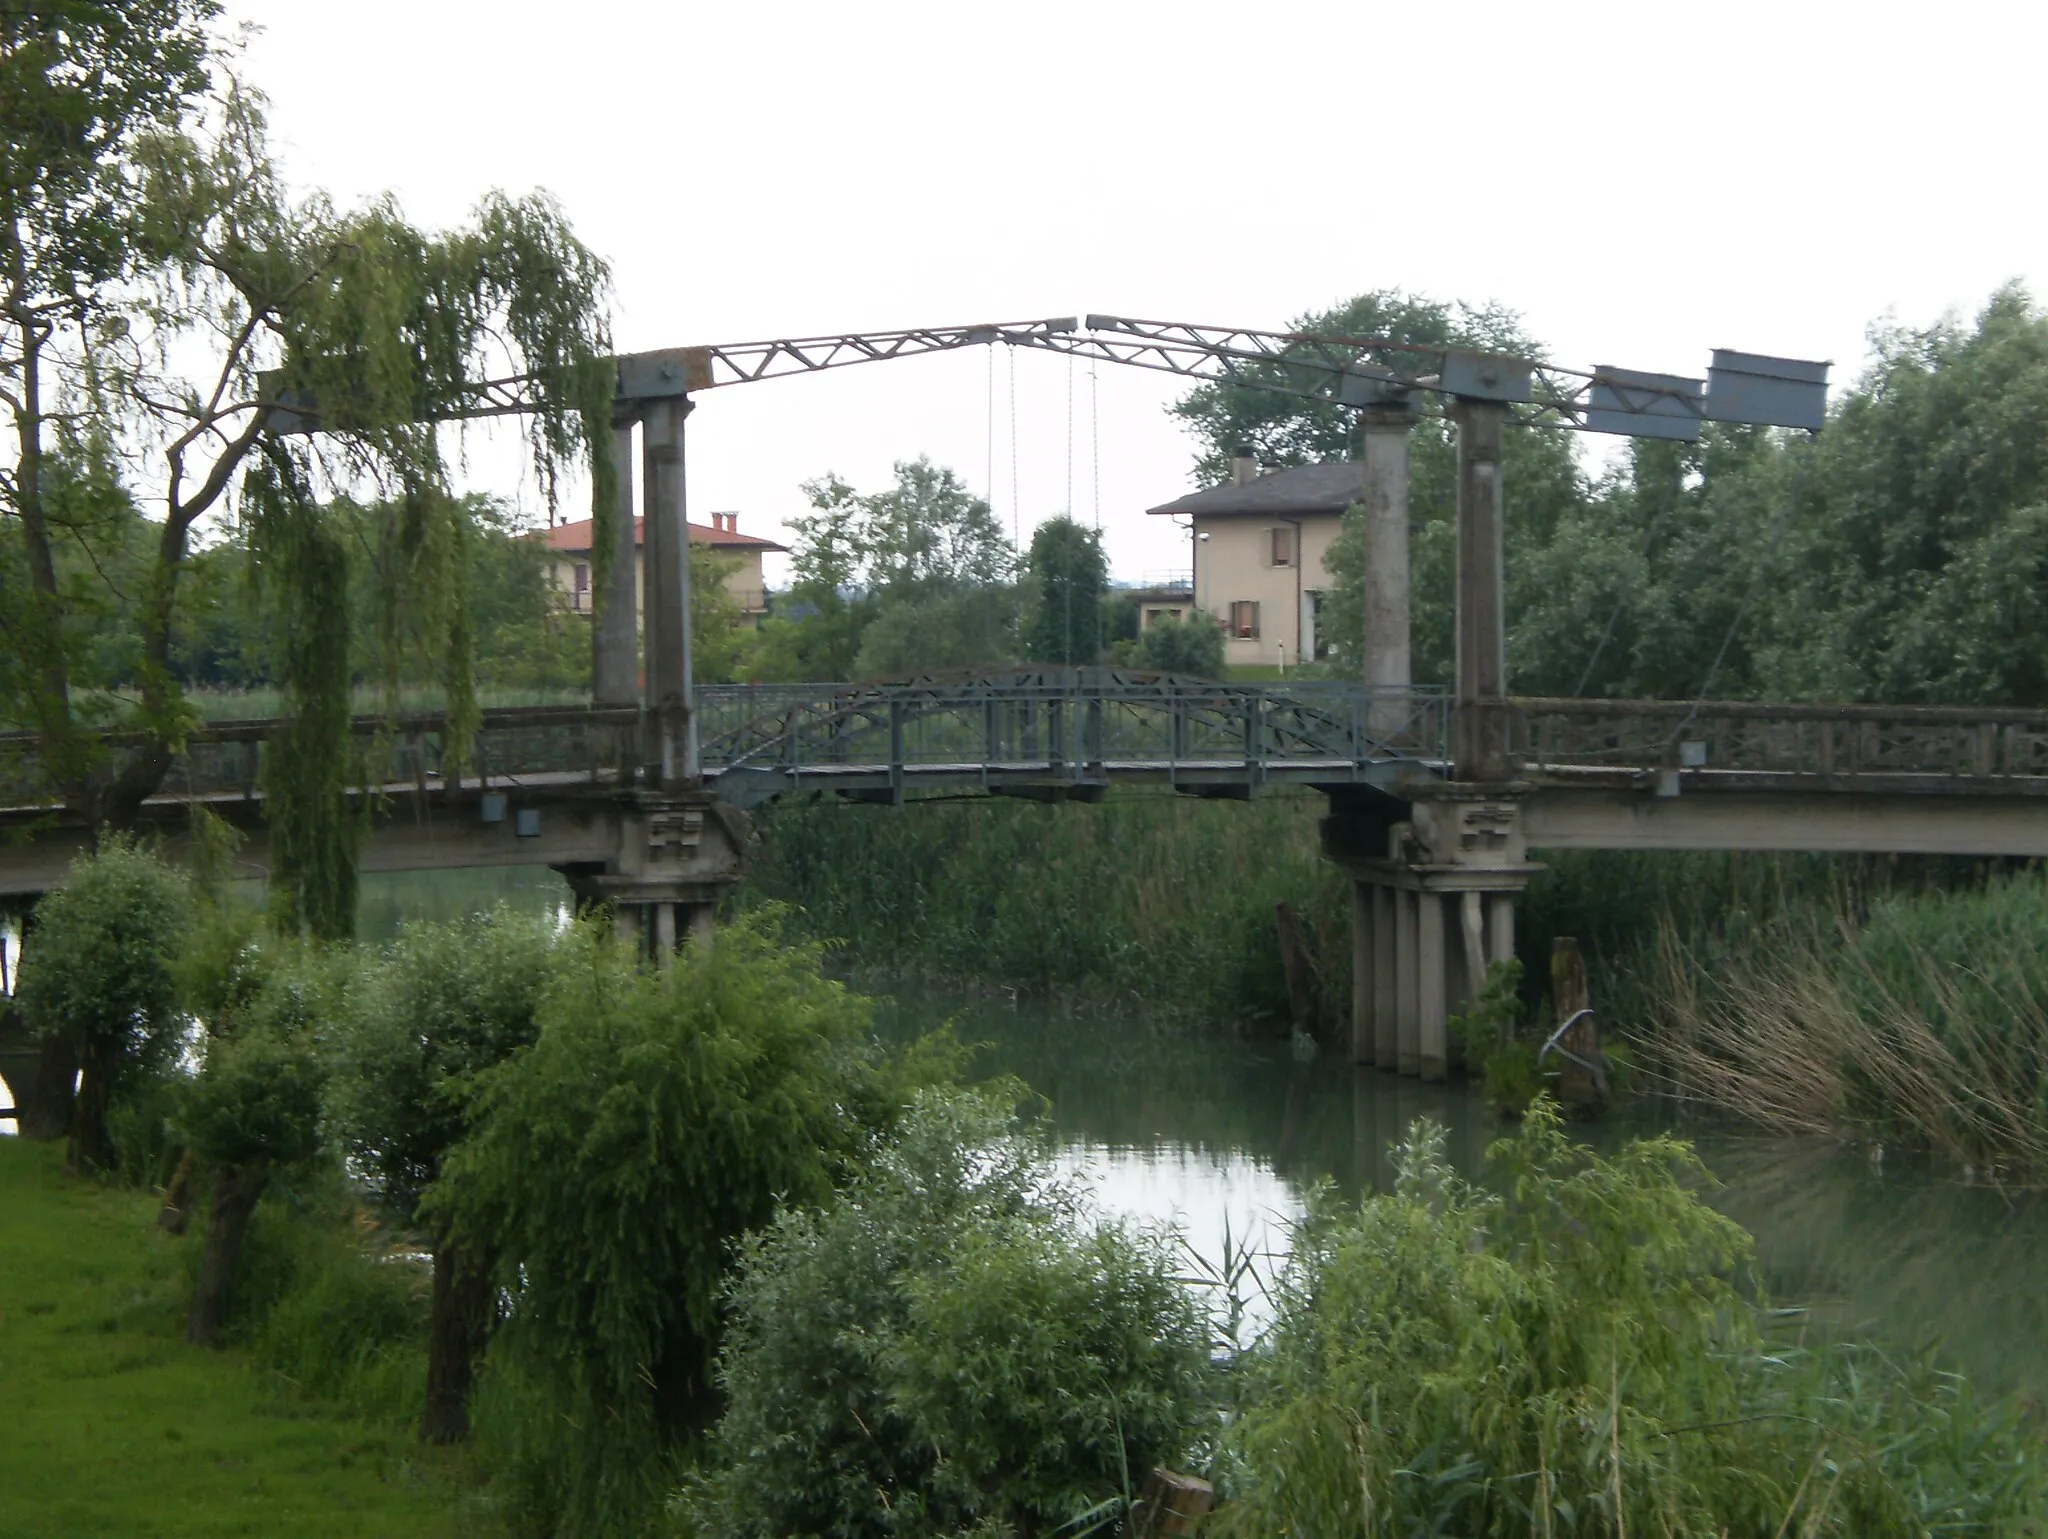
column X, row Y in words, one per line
column 164, row 292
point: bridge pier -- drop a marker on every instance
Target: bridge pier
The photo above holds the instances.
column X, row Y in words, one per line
column 676, row 856
column 1432, row 908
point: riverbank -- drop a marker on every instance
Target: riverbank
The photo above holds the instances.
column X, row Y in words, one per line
column 1884, row 1002
column 116, row 1426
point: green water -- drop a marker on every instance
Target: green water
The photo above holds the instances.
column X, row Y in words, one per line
column 1202, row 1133
column 1209, row 1134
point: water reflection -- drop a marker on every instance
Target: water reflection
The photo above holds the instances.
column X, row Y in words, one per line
column 1214, row 1132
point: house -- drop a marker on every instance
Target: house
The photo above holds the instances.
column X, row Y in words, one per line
column 568, row 548
column 1259, row 541
column 1162, row 596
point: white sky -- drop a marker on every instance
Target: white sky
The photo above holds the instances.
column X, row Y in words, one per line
column 1643, row 182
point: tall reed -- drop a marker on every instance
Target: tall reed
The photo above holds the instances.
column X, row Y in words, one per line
column 1923, row 1020
column 1156, row 902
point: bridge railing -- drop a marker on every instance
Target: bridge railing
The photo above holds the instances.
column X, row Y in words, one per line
column 1810, row 740
column 521, row 744
column 1088, row 721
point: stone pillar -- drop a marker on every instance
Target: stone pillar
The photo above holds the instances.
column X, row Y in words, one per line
column 1472, row 929
column 670, row 690
column 1361, row 973
column 664, row 934
column 626, row 925
column 1433, row 1057
column 703, row 923
column 1479, row 730
column 615, row 628
column 1500, row 927
column 1387, row 651
column 1386, row 1031
column 1407, row 980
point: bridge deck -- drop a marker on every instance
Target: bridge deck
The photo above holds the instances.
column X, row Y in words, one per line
column 1597, row 772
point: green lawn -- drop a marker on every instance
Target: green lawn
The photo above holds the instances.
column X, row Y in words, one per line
column 113, row 1426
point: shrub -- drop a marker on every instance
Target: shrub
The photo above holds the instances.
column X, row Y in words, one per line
column 1192, row 646
column 1571, row 1356
column 658, row 1116
column 951, row 1341
column 97, row 974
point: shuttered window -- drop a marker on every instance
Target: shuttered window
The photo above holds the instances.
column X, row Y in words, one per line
column 1244, row 619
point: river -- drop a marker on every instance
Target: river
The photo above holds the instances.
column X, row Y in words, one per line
column 1215, row 1134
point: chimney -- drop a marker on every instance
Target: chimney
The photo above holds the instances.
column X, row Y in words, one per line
column 1243, row 468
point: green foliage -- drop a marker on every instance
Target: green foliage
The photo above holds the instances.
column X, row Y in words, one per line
column 342, row 1323
column 658, row 1116
column 1571, row 1356
column 308, row 764
column 923, row 566
column 370, row 323
column 426, row 1017
column 1505, row 1058
column 1192, row 646
column 1157, row 900
column 256, row 1098
column 100, row 963
column 1066, row 574
column 98, row 972
column 951, row 1340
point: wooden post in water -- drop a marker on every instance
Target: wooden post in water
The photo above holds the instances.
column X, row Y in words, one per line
column 1294, row 960
column 1578, row 1087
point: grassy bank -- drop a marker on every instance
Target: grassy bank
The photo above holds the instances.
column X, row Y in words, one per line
column 1156, row 903
column 116, row 1426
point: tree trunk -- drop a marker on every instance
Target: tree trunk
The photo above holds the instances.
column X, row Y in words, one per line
column 176, row 1212
column 235, row 1191
column 92, row 1146
column 464, row 1310
column 46, row 1109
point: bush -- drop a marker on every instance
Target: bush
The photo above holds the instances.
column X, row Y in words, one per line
column 97, row 973
column 1193, row 646
column 658, row 1117
column 950, row 1342
column 1572, row 1357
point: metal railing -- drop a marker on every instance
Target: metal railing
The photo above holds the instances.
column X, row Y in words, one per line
column 1068, row 724
column 1802, row 740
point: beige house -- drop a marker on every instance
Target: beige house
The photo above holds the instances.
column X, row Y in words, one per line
column 569, row 562
column 1259, row 542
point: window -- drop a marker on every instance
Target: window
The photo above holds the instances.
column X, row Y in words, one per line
column 1283, row 544
column 580, row 585
column 1244, row 619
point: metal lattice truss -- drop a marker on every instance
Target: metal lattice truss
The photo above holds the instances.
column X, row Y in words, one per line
column 1359, row 373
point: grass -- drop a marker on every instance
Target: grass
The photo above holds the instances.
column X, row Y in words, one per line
column 115, row 1426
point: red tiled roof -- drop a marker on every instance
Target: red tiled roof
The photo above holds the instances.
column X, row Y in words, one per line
column 574, row 539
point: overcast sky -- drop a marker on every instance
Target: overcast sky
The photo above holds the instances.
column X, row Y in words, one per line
column 1642, row 182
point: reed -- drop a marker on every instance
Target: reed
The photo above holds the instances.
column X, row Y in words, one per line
column 1155, row 903
column 1922, row 1020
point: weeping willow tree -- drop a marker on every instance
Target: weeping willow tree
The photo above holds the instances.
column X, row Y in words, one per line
column 306, row 353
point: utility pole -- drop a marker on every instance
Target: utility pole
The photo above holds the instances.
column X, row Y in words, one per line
column 1479, row 724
